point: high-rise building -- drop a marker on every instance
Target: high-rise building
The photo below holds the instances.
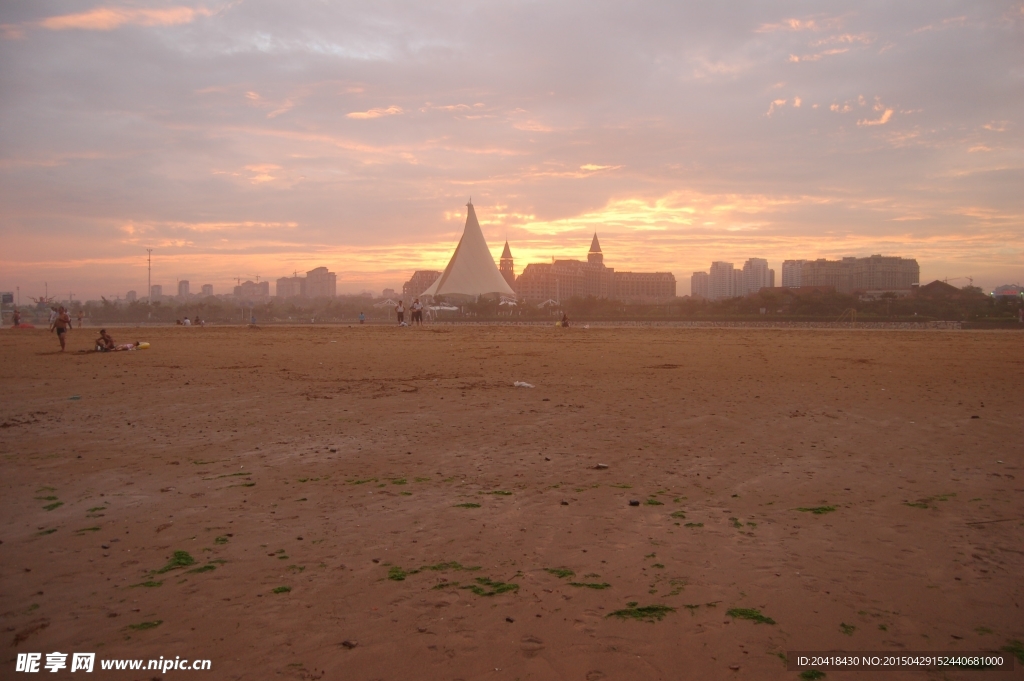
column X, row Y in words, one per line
column 183, row 288
column 321, row 284
column 131, row 296
column 156, row 292
column 250, row 290
column 876, row 273
column 291, row 287
column 756, row 275
column 419, row 282
column 884, row 273
column 506, row 267
column 722, row 280
column 791, row 273
column 207, row 289
column 699, row 285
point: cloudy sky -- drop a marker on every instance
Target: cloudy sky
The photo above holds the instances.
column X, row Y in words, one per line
column 251, row 137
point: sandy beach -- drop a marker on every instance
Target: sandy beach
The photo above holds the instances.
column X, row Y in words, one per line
column 382, row 503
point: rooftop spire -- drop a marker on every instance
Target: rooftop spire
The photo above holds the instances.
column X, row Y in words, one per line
column 595, row 246
column 506, row 253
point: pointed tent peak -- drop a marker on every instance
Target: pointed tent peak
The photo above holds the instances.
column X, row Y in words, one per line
column 471, row 270
column 595, row 246
column 506, row 253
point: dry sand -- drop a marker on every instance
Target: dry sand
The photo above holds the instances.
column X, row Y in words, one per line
column 321, row 458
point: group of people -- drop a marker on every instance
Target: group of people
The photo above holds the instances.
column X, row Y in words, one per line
column 416, row 309
column 199, row 322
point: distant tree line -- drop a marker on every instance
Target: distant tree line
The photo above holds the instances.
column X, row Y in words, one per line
column 966, row 304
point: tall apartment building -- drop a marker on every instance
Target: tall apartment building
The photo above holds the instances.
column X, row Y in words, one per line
column 251, row 290
column 291, row 287
column 207, row 289
column 791, row 273
column 884, row 273
column 321, row 284
column 156, row 292
column 318, row 283
column 419, row 282
column 876, row 273
column 131, row 296
column 722, row 280
column 183, row 288
column 699, row 285
column 757, row 275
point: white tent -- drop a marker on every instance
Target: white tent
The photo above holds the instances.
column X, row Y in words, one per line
column 471, row 271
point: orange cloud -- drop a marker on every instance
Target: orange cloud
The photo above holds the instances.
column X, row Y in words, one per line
column 798, row 25
column 818, row 55
column 376, row 113
column 878, row 121
column 109, row 18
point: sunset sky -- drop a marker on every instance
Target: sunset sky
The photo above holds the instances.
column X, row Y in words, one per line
column 250, row 138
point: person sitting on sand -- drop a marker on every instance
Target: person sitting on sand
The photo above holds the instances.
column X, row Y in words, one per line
column 105, row 343
column 565, row 321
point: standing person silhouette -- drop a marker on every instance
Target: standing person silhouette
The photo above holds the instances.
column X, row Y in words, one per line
column 61, row 324
column 400, row 311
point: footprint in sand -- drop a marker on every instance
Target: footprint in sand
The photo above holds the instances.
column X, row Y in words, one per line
column 531, row 646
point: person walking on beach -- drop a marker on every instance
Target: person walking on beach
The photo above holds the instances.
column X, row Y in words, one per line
column 80, row 316
column 362, row 318
column 400, row 311
column 61, row 324
column 417, row 312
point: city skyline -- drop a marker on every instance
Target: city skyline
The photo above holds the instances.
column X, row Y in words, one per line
column 238, row 139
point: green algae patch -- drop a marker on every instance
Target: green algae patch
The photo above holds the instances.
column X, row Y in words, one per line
column 817, row 510
column 749, row 614
column 180, row 559
column 561, row 573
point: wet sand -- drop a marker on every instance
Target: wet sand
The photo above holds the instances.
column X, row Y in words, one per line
column 326, row 459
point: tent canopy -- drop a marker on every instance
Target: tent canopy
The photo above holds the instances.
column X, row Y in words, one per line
column 471, row 271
